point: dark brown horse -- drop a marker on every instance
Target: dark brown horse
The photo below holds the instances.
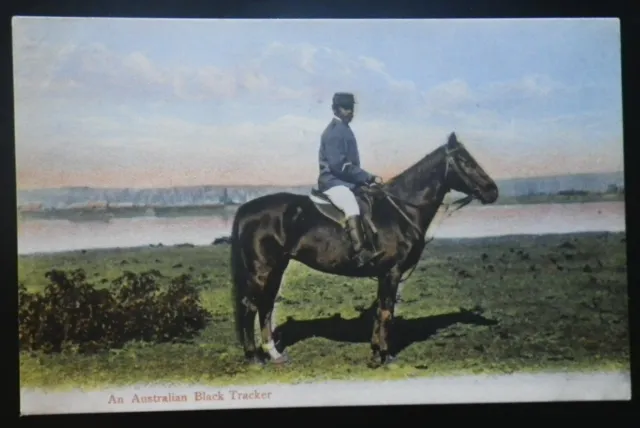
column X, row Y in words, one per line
column 271, row 230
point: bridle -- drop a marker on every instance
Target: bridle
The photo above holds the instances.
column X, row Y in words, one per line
column 450, row 164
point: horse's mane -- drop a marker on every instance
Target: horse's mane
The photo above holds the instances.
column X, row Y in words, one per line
column 413, row 178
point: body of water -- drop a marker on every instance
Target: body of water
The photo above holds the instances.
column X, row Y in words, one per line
column 469, row 222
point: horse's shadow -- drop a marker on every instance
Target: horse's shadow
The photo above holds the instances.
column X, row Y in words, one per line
column 404, row 332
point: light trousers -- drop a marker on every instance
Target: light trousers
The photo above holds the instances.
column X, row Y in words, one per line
column 344, row 199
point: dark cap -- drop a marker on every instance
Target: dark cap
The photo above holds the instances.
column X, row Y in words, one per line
column 343, row 99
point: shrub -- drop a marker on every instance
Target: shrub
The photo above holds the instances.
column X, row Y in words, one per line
column 72, row 314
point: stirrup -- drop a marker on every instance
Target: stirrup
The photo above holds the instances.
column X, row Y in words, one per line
column 368, row 257
column 375, row 256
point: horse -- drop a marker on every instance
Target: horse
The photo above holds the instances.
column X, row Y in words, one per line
column 271, row 230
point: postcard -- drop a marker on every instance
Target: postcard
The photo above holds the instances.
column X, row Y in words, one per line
column 222, row 214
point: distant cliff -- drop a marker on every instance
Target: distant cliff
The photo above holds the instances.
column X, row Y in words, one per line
column 212, row 195
column 555, row 184
column 175, row 196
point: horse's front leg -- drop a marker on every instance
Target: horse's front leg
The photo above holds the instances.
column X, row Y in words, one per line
column 387, row 289
column 375, row 336
column 265, row 315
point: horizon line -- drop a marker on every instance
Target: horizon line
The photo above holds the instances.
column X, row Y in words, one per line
column 292, row 185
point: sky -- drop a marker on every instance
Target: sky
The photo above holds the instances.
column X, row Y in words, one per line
column 124, row 102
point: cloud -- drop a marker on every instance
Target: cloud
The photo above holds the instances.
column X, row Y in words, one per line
column 529, row 86
column 449, row 95
column 282, row 72
column 281, row 151
column 456, row 95
column 87, row 114
column 93, row 70
column 166, row 151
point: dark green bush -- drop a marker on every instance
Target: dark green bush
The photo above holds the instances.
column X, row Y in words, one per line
column 72, row 313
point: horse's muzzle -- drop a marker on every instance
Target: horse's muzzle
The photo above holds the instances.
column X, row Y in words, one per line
column 488, row 196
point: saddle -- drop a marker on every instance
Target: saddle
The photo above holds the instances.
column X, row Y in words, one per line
column 365, row 198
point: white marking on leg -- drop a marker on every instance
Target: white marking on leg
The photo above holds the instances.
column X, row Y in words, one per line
column 274, row 315
column 270, row 348
column 399, row 295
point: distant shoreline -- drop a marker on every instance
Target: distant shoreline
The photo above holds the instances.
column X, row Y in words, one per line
column 110, row 212
column 560, row 198
column 107, row 213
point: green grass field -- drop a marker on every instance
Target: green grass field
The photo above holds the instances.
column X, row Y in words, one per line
column 529, row 303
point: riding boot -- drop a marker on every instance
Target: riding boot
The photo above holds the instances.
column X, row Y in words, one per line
column 363, row 255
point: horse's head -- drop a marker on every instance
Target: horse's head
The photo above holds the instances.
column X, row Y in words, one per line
column 463, row 173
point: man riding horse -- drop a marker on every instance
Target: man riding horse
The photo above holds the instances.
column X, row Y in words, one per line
column 341, row 173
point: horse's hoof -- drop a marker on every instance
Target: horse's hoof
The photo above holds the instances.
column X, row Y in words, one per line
column 282, row 359
column 390, row 362
column 386, row 359
column 253, row 361
column 374, row 361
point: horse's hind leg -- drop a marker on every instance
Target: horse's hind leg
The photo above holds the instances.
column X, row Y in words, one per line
column 266, row 303
column 248, row 322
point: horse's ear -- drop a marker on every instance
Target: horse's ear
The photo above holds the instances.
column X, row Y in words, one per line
column 453, row 140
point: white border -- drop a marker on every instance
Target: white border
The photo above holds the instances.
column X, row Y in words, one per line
column 543, row 387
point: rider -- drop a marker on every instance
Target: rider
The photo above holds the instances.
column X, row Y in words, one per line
column 340, row 171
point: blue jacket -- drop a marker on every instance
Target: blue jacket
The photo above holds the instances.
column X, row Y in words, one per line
column 339, row 158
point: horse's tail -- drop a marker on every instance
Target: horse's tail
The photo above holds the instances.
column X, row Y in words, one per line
column 239, row 278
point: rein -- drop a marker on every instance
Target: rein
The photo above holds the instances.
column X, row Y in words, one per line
column 462, row 202
column 458, row 204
